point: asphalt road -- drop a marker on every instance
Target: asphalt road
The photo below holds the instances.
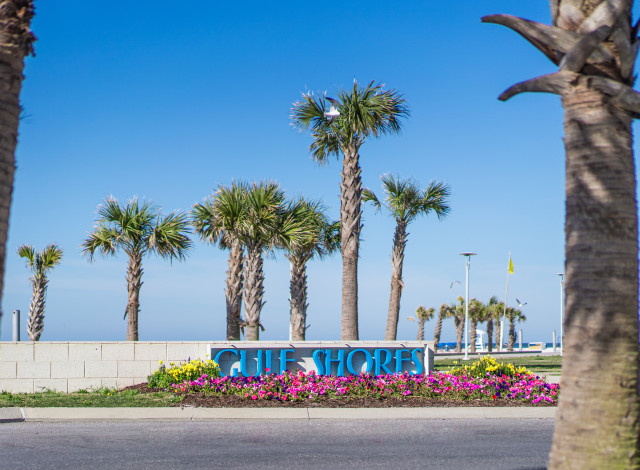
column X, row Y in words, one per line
column 477, row 444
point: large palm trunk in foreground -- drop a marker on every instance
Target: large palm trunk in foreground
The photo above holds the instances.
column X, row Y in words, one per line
column 350, row 214
column 397, row 260
column 233, row 292
column 595, row 46
column 597, row 422
column 16, row 42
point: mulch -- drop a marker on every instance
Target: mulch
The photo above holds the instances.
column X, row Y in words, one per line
column 207, row 400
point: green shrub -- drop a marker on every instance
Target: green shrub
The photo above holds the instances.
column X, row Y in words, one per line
column 164, row 376
column 488, row 365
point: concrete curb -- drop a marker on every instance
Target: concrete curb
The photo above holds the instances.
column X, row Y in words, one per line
column 8, row 415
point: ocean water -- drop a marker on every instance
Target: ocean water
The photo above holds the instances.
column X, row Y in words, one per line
column 452, row 346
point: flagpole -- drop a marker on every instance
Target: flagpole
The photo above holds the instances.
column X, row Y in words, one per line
column 505, row 307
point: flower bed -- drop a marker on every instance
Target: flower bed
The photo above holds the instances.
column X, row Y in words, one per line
column 485, row 380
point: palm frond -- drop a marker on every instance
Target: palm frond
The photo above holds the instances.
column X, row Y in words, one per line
column 369, row 196
column 169, row 237
column 103, row 239
column 51, row 256
column 27, row 252
column 436, row 199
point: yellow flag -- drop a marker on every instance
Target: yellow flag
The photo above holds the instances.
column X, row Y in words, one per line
column 510, row 266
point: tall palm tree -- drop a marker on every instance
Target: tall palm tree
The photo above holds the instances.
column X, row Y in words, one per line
column 137, row 229
column 405, row 200
column 39, row 263
column 324, row 239
column 444, row 312
column 595, row 44
column 422, row 315
column 16, row 43
column 217, row 220
column 365, row 112
column 513, row 315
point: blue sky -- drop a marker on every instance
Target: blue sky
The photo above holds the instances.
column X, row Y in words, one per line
column 166, row 101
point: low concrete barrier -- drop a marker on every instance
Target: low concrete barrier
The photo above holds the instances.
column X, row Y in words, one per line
column 68, row 366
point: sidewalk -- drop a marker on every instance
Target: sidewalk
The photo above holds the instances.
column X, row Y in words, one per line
column 8, row 415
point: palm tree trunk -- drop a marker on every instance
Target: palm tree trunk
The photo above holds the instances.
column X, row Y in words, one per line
column 512, row 334
column 35, row 323
column 298, row 294
column 459, row 321
column 253, row 291
column 350, row 214
column 490, row 335
column 420, row 336
column 498, row 325
column 438, row 330
column 16, row 42
column 473, row 334
column 397, row 260
column 597, row 422
column 233, row 292
column 134, row 283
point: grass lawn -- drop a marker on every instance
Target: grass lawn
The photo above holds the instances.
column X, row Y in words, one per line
column 536, row 364
column 103, row 398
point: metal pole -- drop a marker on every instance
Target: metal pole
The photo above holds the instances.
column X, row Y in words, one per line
column 466, row 306
column 16, row 325
column 520, row 338
column 561, row 311
column 466, row 313
column 504, row 314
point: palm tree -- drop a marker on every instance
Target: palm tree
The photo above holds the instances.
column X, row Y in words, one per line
column 216, row 220
column 364, row 112
column 493, row 312
column 405, row 200
column 477, row 314
column 265, row 225
column 17, row 43
column 39, row 263
column 594, row 43
column 457, row 312
column 444, row 312
column 423, row 315
column 323, row 240
column 137, row 230
column 513, row 315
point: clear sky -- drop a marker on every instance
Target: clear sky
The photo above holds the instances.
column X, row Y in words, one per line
column 166, row 100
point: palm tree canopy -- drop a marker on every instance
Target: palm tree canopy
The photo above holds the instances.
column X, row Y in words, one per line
column 138, row 228
column 423, row 314
column 41, row 262
column 364, row 111
column 307, row 231
column 217, row 218
column 405, row 199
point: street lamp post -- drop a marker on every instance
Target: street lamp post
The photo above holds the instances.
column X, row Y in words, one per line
column 467, row 255
column 561, row 310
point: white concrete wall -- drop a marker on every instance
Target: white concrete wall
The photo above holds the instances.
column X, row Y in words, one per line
column 27, row 367
column 65, row 366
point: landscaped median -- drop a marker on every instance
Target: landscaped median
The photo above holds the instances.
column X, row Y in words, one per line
column 484, row 384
